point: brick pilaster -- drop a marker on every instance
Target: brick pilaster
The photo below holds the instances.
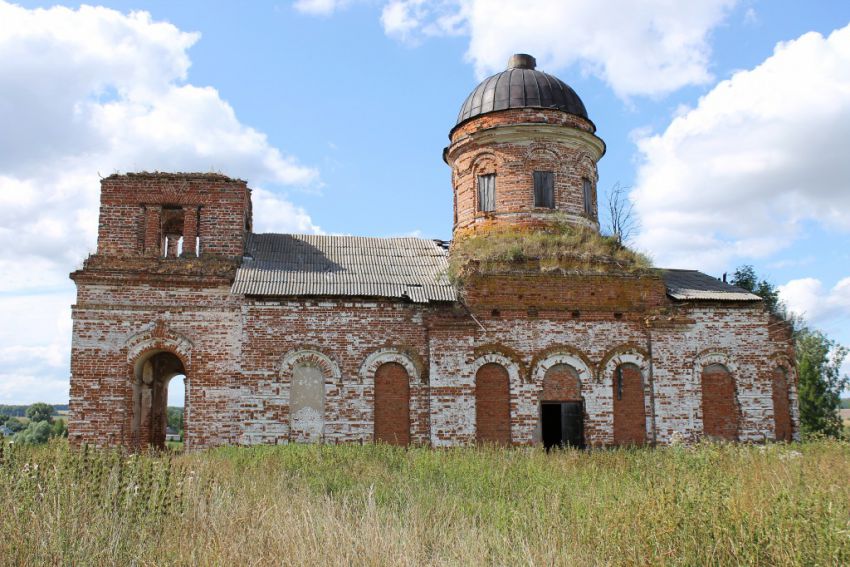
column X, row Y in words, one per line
column 153, row 230
column 190, row 230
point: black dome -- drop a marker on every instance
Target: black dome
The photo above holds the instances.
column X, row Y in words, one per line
column 521, row 86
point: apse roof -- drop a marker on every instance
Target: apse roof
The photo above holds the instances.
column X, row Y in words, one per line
column 521, row 86
column 695, row 286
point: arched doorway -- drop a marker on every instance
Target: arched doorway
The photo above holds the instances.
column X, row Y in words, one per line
column 392, row 404
column 629, row 405
column 562, row 408
column 719, row 406
column 152, row 374
column 781, row 405
column 492, row 405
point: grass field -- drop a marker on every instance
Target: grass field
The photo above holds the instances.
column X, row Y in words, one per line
column 353, row 505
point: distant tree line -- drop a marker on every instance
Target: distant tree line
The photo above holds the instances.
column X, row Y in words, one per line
column 40, row 425
column 43, row 422
column 21, row 410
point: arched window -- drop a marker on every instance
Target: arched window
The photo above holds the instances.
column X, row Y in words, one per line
column 492, row 405
column 392, row 404
column 629, row 407
column 781, row 405
column 719, row 406
column 487, row 192
column 307, row 404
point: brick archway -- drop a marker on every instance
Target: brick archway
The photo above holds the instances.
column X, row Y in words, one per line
column 720, row 415
column 492, row 404
column 152, row 373
column 155, row 355
column 308, row 373
column 631, row 395
column 629, row 405
column 392, row 404
column 714, row 375
column 562, row 383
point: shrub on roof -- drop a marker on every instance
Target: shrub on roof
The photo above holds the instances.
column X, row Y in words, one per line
column 559, row 246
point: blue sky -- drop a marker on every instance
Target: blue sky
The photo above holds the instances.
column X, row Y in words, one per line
column 728, row 120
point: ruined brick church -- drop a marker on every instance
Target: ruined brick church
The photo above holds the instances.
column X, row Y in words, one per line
column 340, row 339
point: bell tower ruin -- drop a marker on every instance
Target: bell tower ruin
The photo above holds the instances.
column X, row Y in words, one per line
column 173, row 215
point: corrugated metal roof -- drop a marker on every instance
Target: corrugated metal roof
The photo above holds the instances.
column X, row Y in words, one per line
column 309, row 264
column 693, row 285
column 413, row 269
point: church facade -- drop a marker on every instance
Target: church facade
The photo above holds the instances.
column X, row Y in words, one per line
column 336, row 339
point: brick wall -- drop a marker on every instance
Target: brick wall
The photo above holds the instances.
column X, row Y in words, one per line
column 238, row 392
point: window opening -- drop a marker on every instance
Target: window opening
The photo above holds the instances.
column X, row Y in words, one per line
column 588, row 196
column 487, row 192
column 544, row 189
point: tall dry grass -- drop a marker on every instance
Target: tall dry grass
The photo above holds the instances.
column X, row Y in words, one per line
column 378, row 505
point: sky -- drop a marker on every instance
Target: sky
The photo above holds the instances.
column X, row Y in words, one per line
column 727, row 120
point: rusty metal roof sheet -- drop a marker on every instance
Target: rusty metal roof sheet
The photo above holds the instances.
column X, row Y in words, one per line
column 413, row 269
column 695, row 286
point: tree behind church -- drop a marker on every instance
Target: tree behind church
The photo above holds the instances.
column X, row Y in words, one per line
column 820, row 382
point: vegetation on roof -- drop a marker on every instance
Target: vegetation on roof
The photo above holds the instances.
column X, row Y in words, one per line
column 559, row 246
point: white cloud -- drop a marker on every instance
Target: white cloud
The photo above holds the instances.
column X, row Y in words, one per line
column 825, row 309
column 822, row 307
column 411, row 20
column 35, row 347
column 279, row 215
column 638, row 48
column 760, row 153
column 94, row 91
column 320, row 7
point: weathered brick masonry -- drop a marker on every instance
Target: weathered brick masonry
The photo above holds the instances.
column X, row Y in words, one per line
column 288, row 338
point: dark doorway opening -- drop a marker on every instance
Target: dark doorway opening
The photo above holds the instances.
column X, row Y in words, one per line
column 562, row 424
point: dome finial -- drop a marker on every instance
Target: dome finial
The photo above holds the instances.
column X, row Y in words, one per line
column 522, row 61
